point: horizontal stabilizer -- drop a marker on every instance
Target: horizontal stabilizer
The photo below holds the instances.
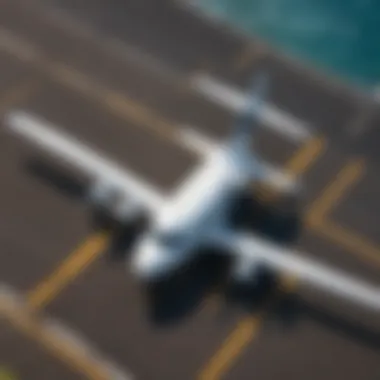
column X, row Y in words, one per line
column 249, row 116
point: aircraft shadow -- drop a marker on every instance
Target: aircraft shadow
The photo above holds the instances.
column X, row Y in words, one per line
column 183, row 295
column 56, row 178
column 122, row 237
column 178, row 301
column 177, row 298
column 291, row 309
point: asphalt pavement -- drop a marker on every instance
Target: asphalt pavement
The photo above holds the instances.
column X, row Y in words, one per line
column 125, row 77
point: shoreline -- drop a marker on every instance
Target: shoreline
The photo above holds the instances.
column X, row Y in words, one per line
column 315, row 72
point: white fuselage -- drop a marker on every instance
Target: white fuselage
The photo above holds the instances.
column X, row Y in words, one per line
column 199, row 205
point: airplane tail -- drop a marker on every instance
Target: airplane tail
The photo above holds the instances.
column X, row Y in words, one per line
column 241, row 141
column 248, row 120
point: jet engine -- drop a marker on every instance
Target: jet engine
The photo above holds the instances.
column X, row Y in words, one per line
column 250, row 278
column 111, row 207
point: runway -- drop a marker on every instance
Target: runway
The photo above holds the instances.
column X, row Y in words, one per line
column 130, row 78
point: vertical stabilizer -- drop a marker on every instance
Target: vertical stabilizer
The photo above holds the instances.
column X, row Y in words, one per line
column 249, row 116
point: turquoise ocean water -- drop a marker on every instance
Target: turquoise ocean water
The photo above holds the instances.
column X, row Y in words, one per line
column 341, row 37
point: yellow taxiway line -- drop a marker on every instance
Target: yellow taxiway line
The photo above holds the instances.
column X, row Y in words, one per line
column 248, row 328
column 75, row 263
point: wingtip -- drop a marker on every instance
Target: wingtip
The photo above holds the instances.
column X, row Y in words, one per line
column 13, row 117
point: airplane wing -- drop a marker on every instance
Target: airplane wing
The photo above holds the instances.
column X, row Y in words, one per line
column 308, row 271
column 89, row 161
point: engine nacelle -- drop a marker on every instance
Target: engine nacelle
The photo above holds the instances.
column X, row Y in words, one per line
column 250, row 274
column 244, row 271
column 111, row 206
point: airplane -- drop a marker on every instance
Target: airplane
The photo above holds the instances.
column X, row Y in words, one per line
column 197, row 213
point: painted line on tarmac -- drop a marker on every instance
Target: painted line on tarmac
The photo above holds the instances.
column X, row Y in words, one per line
column 187, row 137
column 249, row 327
column 68, row 345
column 67, row 271
column 233, row 99
column 273, row 118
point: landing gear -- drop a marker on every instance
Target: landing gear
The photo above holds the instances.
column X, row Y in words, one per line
column 123, row 234
column 103, row 219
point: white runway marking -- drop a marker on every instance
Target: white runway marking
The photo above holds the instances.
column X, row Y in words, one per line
column 273, row 118
column 128, row 52
column 234, row 100
column 278, row 121
column 188, row 137
column 71, row 345
column 193, row 140
column 18, row 47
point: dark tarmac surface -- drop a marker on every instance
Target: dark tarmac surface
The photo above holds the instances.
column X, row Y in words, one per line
column 131, row 108
column 21, row 358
